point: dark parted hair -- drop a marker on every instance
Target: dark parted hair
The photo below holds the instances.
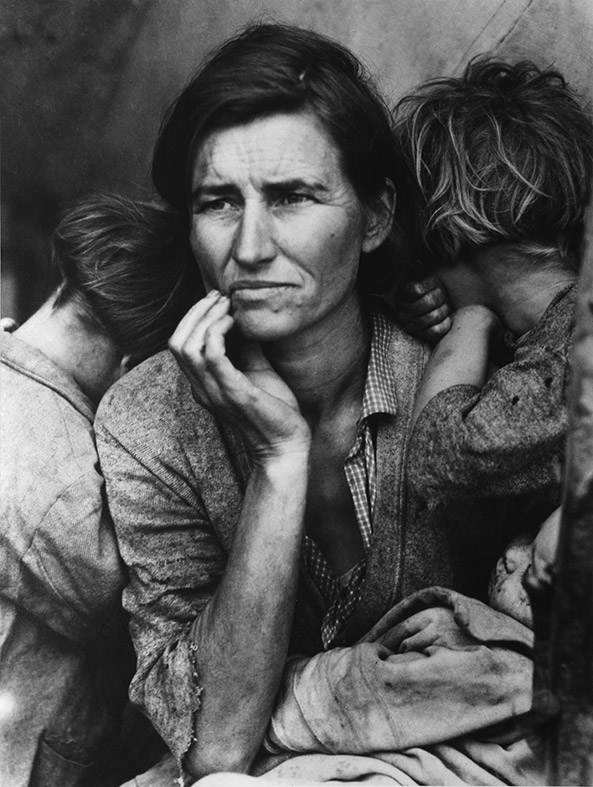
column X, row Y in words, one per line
column 273, row 68
column 128, row 268
column 503, row 153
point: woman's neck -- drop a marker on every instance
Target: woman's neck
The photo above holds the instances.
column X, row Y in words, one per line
column 326, row 367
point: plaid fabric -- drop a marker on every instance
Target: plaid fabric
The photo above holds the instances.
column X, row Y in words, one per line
column 360, row 468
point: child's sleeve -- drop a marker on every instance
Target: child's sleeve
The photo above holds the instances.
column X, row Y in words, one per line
column 506, row 439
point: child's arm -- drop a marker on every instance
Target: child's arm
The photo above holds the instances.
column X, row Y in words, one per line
column 503, row 438
column 462, row 355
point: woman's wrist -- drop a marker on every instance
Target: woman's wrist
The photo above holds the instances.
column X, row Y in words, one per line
column 284, row 460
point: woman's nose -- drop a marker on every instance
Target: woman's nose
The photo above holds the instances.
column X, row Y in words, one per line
column 253, row 242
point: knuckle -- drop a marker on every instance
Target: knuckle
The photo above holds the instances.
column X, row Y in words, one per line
column 422, row 285
column 414, row 290
column 187, row 356
column 426, row 285
column 207, row 340
column 212, row 350
column 438, row 315
column 422, row 288
column 436, row 298
column 427, row 320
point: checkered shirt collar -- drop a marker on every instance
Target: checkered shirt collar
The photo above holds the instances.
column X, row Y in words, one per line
column 380, row 387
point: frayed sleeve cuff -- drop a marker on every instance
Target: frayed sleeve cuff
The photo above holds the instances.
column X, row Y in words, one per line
column 171, row 694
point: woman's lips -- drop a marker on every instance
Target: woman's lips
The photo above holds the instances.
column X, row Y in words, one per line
column 255, row 291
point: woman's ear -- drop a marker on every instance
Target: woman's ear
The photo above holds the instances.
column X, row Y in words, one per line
column 379, row 218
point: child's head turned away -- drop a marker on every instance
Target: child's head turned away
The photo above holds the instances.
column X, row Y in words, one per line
column 503, row 154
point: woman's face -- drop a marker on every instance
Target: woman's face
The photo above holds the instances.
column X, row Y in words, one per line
column 276, row 224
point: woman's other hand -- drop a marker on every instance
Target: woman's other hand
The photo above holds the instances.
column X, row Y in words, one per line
column 433, row 627
column 423, row 309
column 253, row 399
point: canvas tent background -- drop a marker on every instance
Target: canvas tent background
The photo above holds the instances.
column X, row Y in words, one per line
column 85, row 83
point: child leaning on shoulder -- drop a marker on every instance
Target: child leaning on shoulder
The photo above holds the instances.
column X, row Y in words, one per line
column 501, row 160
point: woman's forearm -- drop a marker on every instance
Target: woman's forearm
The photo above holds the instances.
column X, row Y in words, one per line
column 242, row 636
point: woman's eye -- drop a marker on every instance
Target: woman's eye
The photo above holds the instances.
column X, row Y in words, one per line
column 293, row 199
column 215, row 206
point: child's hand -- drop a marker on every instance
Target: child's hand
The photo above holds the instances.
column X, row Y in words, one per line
column 423, row 309
column 541, row 573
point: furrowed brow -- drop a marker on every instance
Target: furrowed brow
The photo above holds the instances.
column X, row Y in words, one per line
column 213, row 190
column 296, row 184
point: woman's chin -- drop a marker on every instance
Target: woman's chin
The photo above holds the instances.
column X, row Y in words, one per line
column 261, row 327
